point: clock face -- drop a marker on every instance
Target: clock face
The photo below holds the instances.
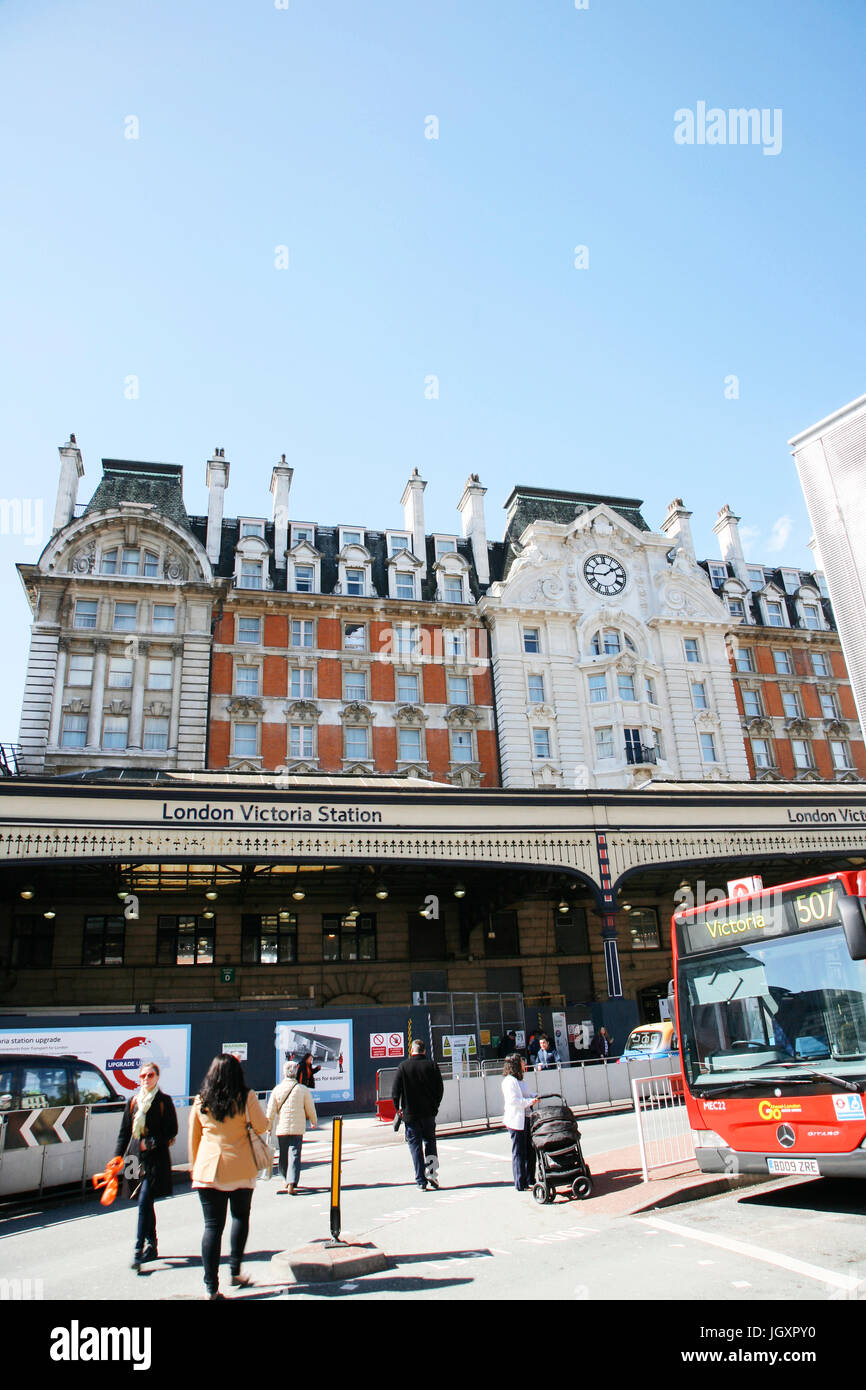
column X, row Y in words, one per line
column 604, row 574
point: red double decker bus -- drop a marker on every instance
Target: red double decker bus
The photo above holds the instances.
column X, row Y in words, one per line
column 771, row 1009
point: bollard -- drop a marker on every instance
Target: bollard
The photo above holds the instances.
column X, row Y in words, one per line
column 336, row 1152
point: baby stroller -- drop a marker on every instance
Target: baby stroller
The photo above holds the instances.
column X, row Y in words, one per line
column 559, row 1160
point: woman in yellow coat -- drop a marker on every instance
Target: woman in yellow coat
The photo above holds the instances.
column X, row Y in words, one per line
column 223, row 1166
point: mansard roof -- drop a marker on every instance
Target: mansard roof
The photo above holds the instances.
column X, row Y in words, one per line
column 159, row 485
column 528, row 504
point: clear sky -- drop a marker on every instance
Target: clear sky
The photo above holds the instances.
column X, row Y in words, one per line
column 146, row 308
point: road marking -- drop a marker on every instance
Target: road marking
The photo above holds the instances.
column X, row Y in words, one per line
column 740, row 1284
column 480, row 1153
column 758, row 1252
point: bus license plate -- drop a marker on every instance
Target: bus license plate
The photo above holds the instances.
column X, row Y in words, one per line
column 800, row 1166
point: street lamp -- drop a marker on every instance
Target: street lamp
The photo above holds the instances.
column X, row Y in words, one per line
column 459, row 890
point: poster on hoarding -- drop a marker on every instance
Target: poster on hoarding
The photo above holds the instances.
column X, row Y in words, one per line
column 117, row 1052
column 329, row 1042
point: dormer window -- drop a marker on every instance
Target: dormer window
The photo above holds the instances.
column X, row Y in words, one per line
column 445, row 545
column 718, row 574
column 405, row 584
column 302, row 533
column 397, row 543
column 349, row 537
column 775, row 615
column 304, row 579
column 452, row 574
column 812, row 616
column 355, row 583
column 736, row 608
column 756, row 578
column 252, row 527
column 452, row 589
column 791, row 580
column 251, row 574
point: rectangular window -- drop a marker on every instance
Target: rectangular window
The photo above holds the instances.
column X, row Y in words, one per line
column 247, row 680
column 349, row 938
column 597, row 689
column 185, row 940
column 791, row 704
column 762, row 752
column 802, row 750
column 820, row 664
column 350, row 538
column 163, row 617
column 80, row 670
column 693, row 651
column 124, row 617
column 571, row 932
column 699, row 695
column 354, row 637
column 782, row 663
column 253, row 528
column 735, row 608
column 405, row 584
column 245, row 742
column 407, row 690
column 812, row 616
column 650, row 688
column 458, row 690
column 455, row 643
column 103, row 941
column 74, row 733
column 445, row 546
column 302, row 632
column 85, row 613
column 251, row 574
column 250, row 631
column 130, row 562
column 745, row 659
column 151, row 565
column 354, row 685
column 355, row 583
column 791, row 580
column 625, row 686
column 461, row 747
column 302, row 533
column 752, row 703
column 160, row 671
column 708, row 748
column 536, row 690
column 115, row 731
column 301, row 740
column 269, row 938
column 756, row 578
column 531, row 639
column 409, row 745
column 301, row 683
column 828, row 707
column 841, row 754
column 452, row 590
column 658, row 745
column 32, row 943
column 304, row 577
column 774, row 614
column 120, row 672
column 109, row 562
column 357, row 744
column 604, row 743
column 398, row 543
column 718, row 574
column 540, row 743
column 644, row 927
column 501, row 937
column 155, row 732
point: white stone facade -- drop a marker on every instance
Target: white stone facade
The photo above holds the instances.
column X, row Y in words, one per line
column 609, row 660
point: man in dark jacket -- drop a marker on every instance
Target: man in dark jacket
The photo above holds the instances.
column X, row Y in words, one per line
column 417, row 1094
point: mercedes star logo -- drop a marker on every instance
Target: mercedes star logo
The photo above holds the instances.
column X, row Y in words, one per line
column 786, row 1136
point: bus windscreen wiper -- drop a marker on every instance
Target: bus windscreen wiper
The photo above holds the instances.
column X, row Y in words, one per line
column 823, row 1076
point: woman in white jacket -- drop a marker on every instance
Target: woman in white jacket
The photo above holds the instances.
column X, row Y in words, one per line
column 291, row 1105
column 517, row 1100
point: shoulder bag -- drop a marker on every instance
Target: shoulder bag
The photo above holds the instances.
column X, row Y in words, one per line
column 259, row 1147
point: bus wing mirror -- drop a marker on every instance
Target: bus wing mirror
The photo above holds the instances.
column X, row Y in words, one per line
column 854, row 926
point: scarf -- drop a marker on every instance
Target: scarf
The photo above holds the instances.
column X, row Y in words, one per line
column 143, row 1100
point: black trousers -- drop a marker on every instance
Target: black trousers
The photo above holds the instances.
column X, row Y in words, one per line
column 215, row 1205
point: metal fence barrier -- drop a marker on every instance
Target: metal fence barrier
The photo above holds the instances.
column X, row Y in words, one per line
column 663, row 1130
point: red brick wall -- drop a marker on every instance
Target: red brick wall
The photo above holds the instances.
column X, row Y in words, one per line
column 330, row 680
column 221, row 679
column 219, row 743
column 330, row 747
column 382, row 682
column 385, row 749
column 276, row 631
column 487, row 757
column 224, row 632
column 273, row 745
column 275, row 676
column 438, row 753
column 434, row 685
column 330, row 637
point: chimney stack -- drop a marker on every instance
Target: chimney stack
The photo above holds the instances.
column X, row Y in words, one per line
column 677, row 527
column 413, row 515
column 727, row 528
column 217, row 482
column 281, row 481
column 471, row 509
column 71, row 470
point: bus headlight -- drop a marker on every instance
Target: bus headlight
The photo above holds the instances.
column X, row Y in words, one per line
column 708, row 1139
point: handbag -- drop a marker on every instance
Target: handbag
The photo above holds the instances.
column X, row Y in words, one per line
column 262, row 1153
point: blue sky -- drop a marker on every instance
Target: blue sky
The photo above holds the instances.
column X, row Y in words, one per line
column 408, row 258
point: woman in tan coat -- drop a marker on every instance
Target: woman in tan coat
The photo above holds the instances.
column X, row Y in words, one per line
column 291, row 1105
column 223, row 1167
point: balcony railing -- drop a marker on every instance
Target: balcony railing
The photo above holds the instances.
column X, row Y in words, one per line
column 640, row 753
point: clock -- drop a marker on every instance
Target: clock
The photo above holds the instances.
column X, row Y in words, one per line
column 604, row 574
